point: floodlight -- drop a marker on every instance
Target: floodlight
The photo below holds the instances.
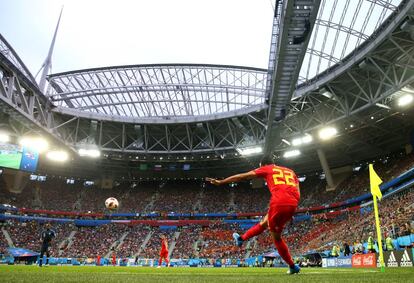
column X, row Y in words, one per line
column 58, row 155
column 4, row 137
column 302, row 140
column 250, row 150
column 327, row 133
column 307, row 138
column 297, row 141
column 291, row 153
column 35, row 143
column 405, row 99
column 91, row 152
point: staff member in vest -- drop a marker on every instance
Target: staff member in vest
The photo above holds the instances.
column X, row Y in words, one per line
column 371, row 243
column 335, row 250
column 389, row 246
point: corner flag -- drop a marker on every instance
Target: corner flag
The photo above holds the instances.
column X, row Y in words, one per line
column 375, row 182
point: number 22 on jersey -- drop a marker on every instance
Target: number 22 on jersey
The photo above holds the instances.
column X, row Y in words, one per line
column 283, row 177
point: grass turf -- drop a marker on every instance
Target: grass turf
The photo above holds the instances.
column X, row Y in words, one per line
column 10, row 160
column 21, row 273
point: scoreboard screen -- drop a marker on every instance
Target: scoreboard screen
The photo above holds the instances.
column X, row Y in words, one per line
column 17, row 157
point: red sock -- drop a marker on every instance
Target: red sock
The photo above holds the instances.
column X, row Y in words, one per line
column 160, row 261
column 254, row 231
column 283, row 250
column 167, row 260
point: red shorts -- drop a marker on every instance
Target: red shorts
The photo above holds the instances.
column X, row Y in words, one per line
column 164, row 254
column 279, row 215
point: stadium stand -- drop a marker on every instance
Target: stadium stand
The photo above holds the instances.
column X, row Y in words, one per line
column 187, row 243
column 93, row 242
column 214, row 241
column 27, row 235
column 132, row 243
column 218, row 242
column 152, row 249
column 3, row 243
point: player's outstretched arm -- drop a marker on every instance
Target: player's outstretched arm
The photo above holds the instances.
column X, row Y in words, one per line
column 235, row 178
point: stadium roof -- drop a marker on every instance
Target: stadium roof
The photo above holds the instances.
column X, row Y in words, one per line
column 160, row 90
column 341, row 26
column 167, row 90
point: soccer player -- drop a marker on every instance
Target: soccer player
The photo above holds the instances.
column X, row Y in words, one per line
column 284, row 188
column 46, row 238
column 113, row 258
column 164, row 251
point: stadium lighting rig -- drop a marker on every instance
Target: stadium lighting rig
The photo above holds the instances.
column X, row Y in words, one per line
column 327, row 133
column 302, row 140
column 36, row 143
column 291, row 153
column 324, row 92
column 383, row 106
column 286, row 141
column 4, row 137
column 57, row 155
column 89, row 152
column 250, row 150
column 405, row 100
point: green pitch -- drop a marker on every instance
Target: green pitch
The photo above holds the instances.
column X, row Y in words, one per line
column 21, row 273
column 10, row 160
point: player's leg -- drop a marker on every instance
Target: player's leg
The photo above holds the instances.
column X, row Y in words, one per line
column 160, row 261
column 167, row 261
column 278, row 217
column 47, row 256
column 282, row 248
column 42, row 253
column 256, row 230
column 41, row 258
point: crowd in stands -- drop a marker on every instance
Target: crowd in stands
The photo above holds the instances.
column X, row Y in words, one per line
column 176, row 197
column 314, row 193
column 218, row 242
column 352, row 228
column 215, row 241
column 247, row 199
column 152, row 248
column 3, row 244
column 131, row 244
column 27, row 198
column 214, row 199
column 94, row 241
column 28, row 235
column 54, row 189
column 187, row 242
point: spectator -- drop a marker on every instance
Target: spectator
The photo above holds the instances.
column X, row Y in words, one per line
column 347, row 250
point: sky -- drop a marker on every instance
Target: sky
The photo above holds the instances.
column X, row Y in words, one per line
column 99, row 33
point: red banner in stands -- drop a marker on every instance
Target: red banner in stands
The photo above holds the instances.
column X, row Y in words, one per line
column 254, row 214
column 364, row 260
column 172, row 222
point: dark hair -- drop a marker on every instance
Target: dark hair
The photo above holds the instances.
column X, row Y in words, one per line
column 266, row 160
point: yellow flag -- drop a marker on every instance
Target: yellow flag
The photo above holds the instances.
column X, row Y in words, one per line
column 375, row 182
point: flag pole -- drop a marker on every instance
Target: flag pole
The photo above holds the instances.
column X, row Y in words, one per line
column 375, row 182
column 379, row 237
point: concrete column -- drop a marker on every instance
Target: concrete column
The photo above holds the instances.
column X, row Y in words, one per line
column 325, row 167
column 15, row 180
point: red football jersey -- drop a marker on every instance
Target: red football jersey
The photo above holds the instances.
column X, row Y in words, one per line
column 282, row 183
column 164, row 245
